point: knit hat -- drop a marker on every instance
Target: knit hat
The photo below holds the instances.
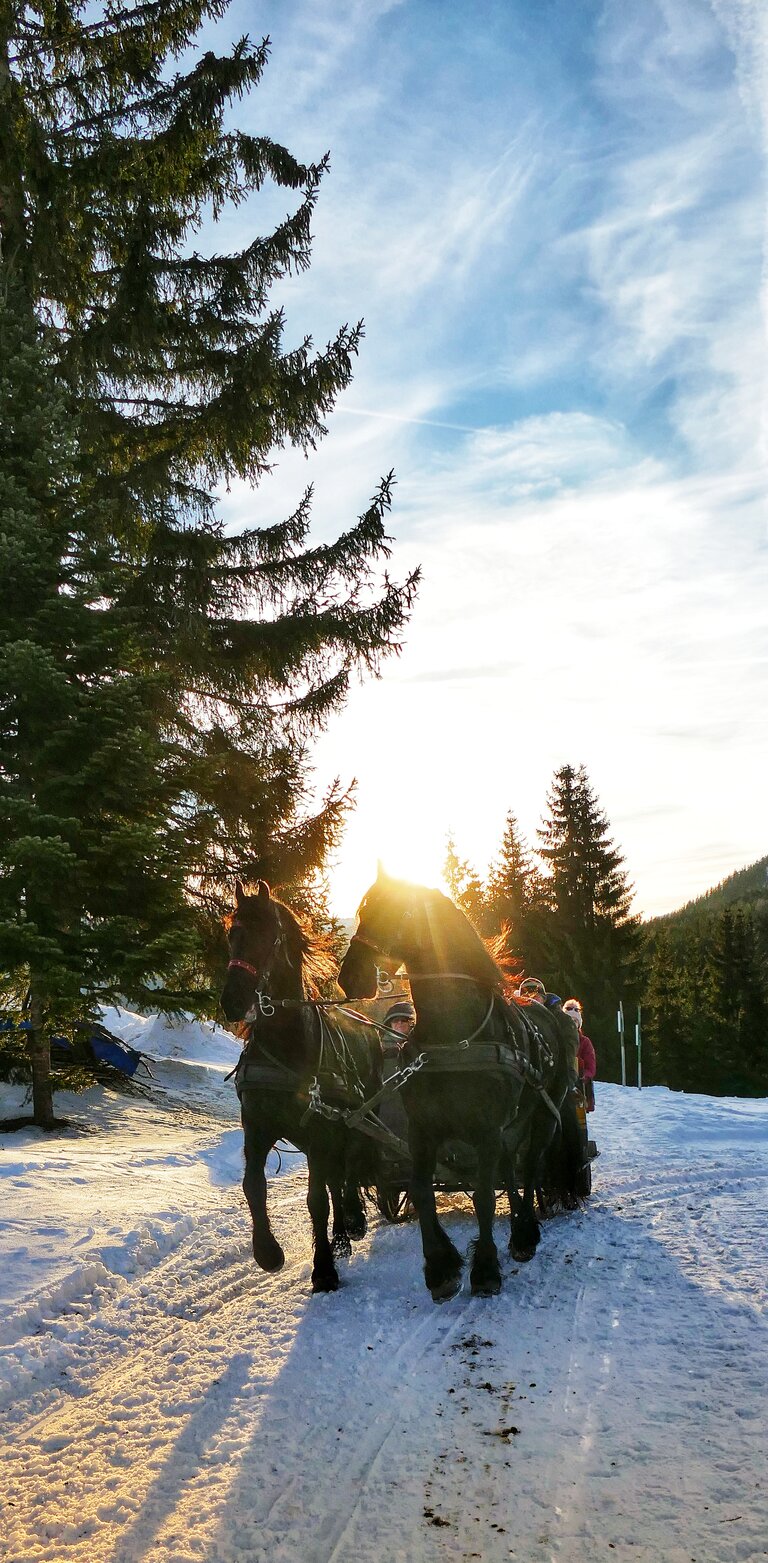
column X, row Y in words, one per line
column 401, row 1011
column 531, row 988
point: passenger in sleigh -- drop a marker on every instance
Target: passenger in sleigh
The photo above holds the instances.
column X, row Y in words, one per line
column 400, row 1018
column 586, row 1053
column 532, row 989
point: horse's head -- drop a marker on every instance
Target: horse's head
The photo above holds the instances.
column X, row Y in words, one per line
column 265, row 947
column 392, row 924
column 415, row 925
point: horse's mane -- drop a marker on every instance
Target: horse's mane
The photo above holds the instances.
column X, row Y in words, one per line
column 451, row 929
column 314, row 953
column 498, row 947
column 474, row 954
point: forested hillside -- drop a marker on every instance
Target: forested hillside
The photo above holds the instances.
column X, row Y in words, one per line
column 707, row 989
column 747, row 887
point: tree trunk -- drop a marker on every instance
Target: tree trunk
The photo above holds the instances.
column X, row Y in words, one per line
column 40, row 1059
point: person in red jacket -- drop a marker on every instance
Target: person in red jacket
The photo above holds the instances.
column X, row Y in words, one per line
column 586, row 1052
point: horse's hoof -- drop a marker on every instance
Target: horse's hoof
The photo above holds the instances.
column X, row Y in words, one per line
column 521, row 1254
column 444, row 1290
column 325, row 1282
column 268, row 1255
column 341, row 1247
column 489, row 1286
column 357, row 1226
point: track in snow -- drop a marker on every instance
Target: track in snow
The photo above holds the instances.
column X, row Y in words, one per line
column 606, row 1405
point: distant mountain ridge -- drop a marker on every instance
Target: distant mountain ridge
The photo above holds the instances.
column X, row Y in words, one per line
column 747, row 887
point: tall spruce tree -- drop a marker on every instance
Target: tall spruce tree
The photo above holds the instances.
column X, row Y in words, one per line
column 92, row 860
column 736, row 1061
column 464, row 884
column 593, row 938
column 217, row 655
column 515, row 896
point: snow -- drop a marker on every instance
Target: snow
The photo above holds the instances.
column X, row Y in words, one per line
column 164, row 1401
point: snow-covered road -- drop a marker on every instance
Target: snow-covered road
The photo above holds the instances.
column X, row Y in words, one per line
column 608, row 1405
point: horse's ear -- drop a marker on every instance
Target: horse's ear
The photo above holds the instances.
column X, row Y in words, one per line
column 381, row 873
column 239, row 894
column 263, row 890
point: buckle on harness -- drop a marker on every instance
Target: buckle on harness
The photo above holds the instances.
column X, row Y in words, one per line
column 266, row 1007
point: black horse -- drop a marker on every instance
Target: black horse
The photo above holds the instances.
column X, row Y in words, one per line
column 303, row 1065
column 495, row 1075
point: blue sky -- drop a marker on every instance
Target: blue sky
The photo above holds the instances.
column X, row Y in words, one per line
column 552, row 217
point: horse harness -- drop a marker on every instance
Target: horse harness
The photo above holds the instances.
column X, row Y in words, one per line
column 504, row 1057
column 335, row 1073
column 335, row 1090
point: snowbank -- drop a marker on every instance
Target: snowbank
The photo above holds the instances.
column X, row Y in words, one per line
column 186, row 1040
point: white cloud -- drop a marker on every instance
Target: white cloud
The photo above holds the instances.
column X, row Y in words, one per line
column 565, row 362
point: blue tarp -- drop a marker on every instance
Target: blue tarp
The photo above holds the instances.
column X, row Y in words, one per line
column 104, row 1047
column 118, row 1054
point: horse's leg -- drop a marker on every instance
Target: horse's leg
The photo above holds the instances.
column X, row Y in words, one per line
column 358, row 1169
column 325, row 1277
column 524, row 1229
column 258, row 1142
column 341, row 1246
column 485, row 1274
column 442, row 1262
column 355, row 1218
column 514, row 1147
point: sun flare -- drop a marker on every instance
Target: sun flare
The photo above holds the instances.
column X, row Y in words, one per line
column 409, row 846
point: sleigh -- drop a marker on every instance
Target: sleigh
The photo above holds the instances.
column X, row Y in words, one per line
column 455, row 1171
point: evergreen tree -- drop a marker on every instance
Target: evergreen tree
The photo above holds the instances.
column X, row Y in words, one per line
column 92, row 862
column 464, row 884
column 198, row 664
column 667, row 1012
column 513, row 881
column 594, row 940
column 515, row 896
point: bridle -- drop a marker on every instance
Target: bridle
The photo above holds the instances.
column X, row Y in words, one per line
column 261, row 974
column 420, row 976
column 431, row 976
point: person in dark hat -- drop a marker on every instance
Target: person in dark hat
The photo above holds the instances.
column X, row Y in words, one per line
column 400, row 1017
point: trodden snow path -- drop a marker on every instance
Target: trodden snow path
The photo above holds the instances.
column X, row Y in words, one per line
column 609, row 1404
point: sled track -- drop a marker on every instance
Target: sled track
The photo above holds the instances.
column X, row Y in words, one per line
column 213, row 1412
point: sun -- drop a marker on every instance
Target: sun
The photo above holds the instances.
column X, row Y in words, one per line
column 407, row 842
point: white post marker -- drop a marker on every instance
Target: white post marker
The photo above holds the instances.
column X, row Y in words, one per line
column 620, row 1024
column 639, row 1046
